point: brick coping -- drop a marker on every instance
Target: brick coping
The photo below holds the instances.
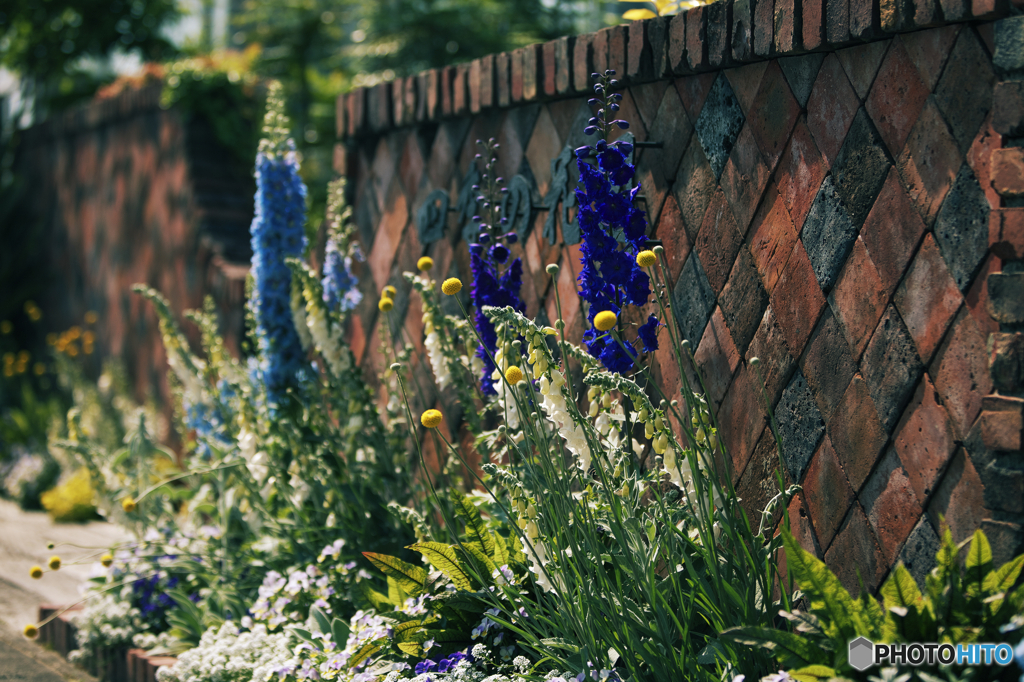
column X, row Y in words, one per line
column 724, row 34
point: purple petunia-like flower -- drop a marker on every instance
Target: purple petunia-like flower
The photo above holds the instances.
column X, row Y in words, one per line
column 613, row 231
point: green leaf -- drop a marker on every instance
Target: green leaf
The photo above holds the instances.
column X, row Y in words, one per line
column 364, row 652
column 1004, row 577
column 320, row 618
column 374, row 598
column 900, row 589
column 827, row 597
column 812, row 673
column 410, row 578
column 978, row 563
column 558, row 643
column 790, row 648
column 305, row 636
column 443, row 558
column 340, row 631
column 474, row 551
column 396, row 595
column 500, row 550
column 476, row 530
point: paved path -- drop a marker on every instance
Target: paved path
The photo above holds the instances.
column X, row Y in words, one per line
column 23, row 540
column 22, row 660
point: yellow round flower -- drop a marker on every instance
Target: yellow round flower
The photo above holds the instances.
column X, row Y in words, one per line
column 36, row 572
column 431, row 419
column 128, row 504
column 605, row 320
column 31, row 631
column 106, row 560
column 452, row 286
column 385, row 304
column 513, row 375
column 389, row 291
column 425, row 263
column 646, row 259
column 54, row 563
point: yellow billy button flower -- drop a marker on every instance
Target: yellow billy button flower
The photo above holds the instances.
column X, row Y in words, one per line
column 31, row 631
column 54, row 563
column 452, row 286
column 36, row 572
column 431, row 419
column 385, row 304
column 425, row 263
column 646, row 259
column 513, row 375
column 128, row 504
column 605, row 320
column 106, row 560
column 389, row 291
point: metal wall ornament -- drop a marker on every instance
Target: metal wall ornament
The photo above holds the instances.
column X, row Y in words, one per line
column 432, row 217
column 518, row 206
column 563, row 192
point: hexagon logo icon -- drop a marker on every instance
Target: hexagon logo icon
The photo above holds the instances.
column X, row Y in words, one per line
column 862, row 653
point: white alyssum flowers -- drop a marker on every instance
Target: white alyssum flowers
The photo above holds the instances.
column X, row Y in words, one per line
column 229, row 655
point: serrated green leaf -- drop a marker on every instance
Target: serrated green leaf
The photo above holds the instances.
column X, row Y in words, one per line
column 396, row 595
column 791, row 650
column 900, row 589
column 410, row 578
column 1004, row 577
column 813, row 673
column 474, row 551
column 978, row 563
column 443, row 558
column 827, row 597
column 500, row 550
column 364, row 652
column 374, row 598
column 476, row 530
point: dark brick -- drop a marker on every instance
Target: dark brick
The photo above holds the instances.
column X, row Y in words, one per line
column 896, row 15
column 989, row 9
column 773, row 114
column 800, row 73
column 719, row 124
column 1008, row 56
column 813, row 13
column 696, row 38
column 677, row 59
column 487, row 85
column 719, row 19
column 828, row 364
column 743, row 300
column 503, row 80
column 769, row 346
column 827, row 491
column 856, row 433
column 860, row 168
column 1008, row 108
column 764, row 27
column 583, row 62
column 617, row 38
column 1006, row 297
column 960, row 499
column 955, row 10
column 658, row 39
column 757, row 484
column 961, row 228
column 865, row 22
column 964, row 92
column 639, row 57
column 742, row 43
column 918, row 553
column 800, row 426
column 518, row 73
column 828, row 234
column 694, row 188
column 787, row 26
column 533, row 73
column 742, row 409
column 1006, row 538
column 929, row 51
column 837, row 21
column 891, row 367
column 600, row 50
column 694, row 300
column 744, row 179
column 672, row 127
column 563, row 64
column 861, row 63
column 929, row 163
column 897, row 97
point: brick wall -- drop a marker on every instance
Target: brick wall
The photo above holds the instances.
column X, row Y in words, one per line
column 125, row 192
column 837, row 196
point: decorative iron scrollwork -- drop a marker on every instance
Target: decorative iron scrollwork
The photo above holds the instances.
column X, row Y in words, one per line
column 432, row 217
column 518, row 206
column 562, row 192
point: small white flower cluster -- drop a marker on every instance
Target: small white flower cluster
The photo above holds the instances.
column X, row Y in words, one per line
column 302, row 325
column 326, row 334
column 230, row 655
column 506, row 398
column 105, row 622
column 301, row 588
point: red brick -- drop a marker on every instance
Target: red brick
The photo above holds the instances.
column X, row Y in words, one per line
column 813, row 14
column 831, row 108
column 1006, row 233
column 927, row 298
column 516, row 78
column 485, row 85
column 854, row 555
column 617, row 38
column 718, row 19
column 856, row 432
column 447, row 91
column 989, row 9
column 787, row 26
column 773, row 114
column 837, row 21
column 859, row 298
column 861, row 63
column 764, row 27
column 828, row 364
column 800, row 173
column 976, row 297
column 548, row 61
column 533, row 73
column 717, row 357
column 742, row 43
column 827, row 492
column 696, row 39
column 864, row 20
column 890, row 505
column 583, row 62
column 929, row 163
column 757, row 484
column 718, row 241
column 677, row 60
column 658, row 37
column 741, row 410
column 896, row 98
column 979, row 157
column 460, row 92
column 924, row 440
column 1001, row 430
column 960, row 369
column 564, row 49
column 769, row 346
column 503, row 78
column 960, row 498
column 797, row 299
column 892, row 231
column 771, row 239
column 693, row 90
column 567, row 292
column 673, row 237
column 1007, row 171
column 929, row 51
column 647, row 98
column 638, row 53
column 744, row 178
column 745, row 82
column 695, row 187
column 388, row 236
column 600, row 50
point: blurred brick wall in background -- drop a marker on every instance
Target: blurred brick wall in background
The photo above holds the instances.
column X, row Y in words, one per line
column 124, row 192
column 829, row 175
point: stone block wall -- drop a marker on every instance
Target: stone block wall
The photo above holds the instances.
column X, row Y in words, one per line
column 126, row 192
column 837, row 184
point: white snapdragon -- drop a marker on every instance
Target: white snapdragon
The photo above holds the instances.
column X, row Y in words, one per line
column 327, row 337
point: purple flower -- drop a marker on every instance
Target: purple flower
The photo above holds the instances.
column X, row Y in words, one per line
column 648, row 334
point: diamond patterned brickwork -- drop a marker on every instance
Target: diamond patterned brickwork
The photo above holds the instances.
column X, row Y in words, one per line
column 826, row 213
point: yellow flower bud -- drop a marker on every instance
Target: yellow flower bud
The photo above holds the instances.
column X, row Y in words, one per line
column 452, row 286
column 605, row 320
column 390, row 291
column 36, row 572
column 106, row 560
column 606, row 400
column 431, row 419
column 646, row 259
column 128, row 504
column 513, row 375
column 385, row 304
column 54, row 563
column 425, row 263
column 31, row 631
